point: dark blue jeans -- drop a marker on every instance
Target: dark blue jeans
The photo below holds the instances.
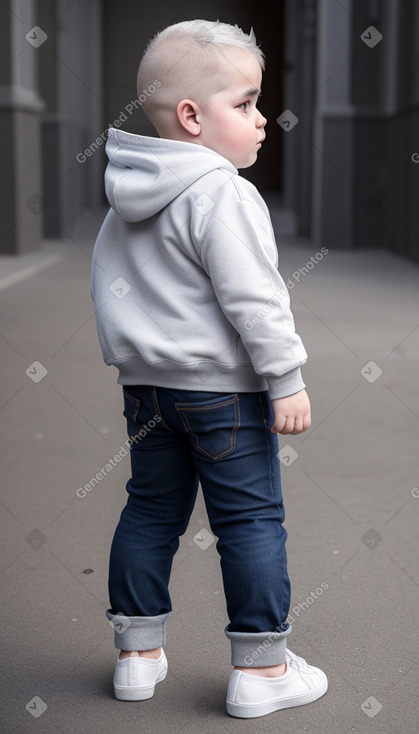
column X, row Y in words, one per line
column 178, row 438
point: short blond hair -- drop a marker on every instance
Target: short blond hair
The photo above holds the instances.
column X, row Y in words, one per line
column 188, row 59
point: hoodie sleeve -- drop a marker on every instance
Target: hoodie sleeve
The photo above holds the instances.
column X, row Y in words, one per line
column 240, row 256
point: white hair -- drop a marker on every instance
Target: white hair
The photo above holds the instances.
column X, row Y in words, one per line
column 189, row 59
column 208, row 34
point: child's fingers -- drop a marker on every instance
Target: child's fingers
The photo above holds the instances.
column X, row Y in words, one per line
column 288, row 425
column 279, row 425
column 298, row 425
column 292, row 424
column 302, row 423
column 284, row 424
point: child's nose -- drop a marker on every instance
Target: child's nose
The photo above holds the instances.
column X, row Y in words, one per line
column 261, row 122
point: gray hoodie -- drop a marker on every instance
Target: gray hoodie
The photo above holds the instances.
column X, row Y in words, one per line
column 184, row 274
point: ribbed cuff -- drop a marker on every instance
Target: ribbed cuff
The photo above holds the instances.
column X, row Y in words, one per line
column 286, row 385
column 258, row 649
column 138, row 633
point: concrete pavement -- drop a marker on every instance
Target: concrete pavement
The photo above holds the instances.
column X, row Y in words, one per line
column 351, row 496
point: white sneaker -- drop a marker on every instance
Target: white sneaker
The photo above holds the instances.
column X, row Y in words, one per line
column 136, row 677
column 253, row 695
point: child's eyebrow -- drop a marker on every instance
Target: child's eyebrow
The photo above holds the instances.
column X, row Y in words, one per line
column 251, row 92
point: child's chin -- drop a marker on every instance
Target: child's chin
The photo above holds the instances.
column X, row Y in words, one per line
column 249, row 162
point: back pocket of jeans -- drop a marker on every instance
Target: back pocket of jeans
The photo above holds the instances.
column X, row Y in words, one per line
column 212, row 424
column 132, row 408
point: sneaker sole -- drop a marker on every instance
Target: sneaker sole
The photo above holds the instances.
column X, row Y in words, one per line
column 128, row 693
column 249, row 710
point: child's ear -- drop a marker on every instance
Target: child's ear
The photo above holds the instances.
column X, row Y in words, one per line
column 188, row 114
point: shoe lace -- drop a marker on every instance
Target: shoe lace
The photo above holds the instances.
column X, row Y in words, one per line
column 296, row 662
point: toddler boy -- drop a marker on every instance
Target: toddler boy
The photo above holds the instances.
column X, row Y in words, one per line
column 191, row 309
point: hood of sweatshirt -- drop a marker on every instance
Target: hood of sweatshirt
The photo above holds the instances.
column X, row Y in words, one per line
column 145, row 174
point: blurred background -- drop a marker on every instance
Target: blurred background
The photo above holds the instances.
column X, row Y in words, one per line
column 347, row 70
column 339, row 170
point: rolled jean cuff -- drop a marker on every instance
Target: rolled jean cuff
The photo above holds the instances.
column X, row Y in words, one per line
column 138, row 633
column 258, row 649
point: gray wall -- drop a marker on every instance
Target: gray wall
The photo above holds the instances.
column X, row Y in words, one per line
column 20, row 109
column 345, row 171
column 71, row 85
column 366, row 127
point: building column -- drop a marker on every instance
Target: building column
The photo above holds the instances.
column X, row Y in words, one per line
column 364, row 118
column 291, row 102
column 71, row 84
column 299, row 48
column 20, row 110
column 333, row 154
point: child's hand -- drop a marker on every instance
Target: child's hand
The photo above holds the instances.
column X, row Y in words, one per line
column 292, row 414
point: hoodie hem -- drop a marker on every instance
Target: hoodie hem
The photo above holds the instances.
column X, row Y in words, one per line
column 204, row 377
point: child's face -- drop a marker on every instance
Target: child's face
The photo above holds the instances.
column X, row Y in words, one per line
column 231, row 124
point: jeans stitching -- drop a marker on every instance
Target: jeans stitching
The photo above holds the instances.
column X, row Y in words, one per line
column 137, row 403
column 188, row 429
column 158, row 409
column 202, row 406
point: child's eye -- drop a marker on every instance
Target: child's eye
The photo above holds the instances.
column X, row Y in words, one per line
column 243, row 106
